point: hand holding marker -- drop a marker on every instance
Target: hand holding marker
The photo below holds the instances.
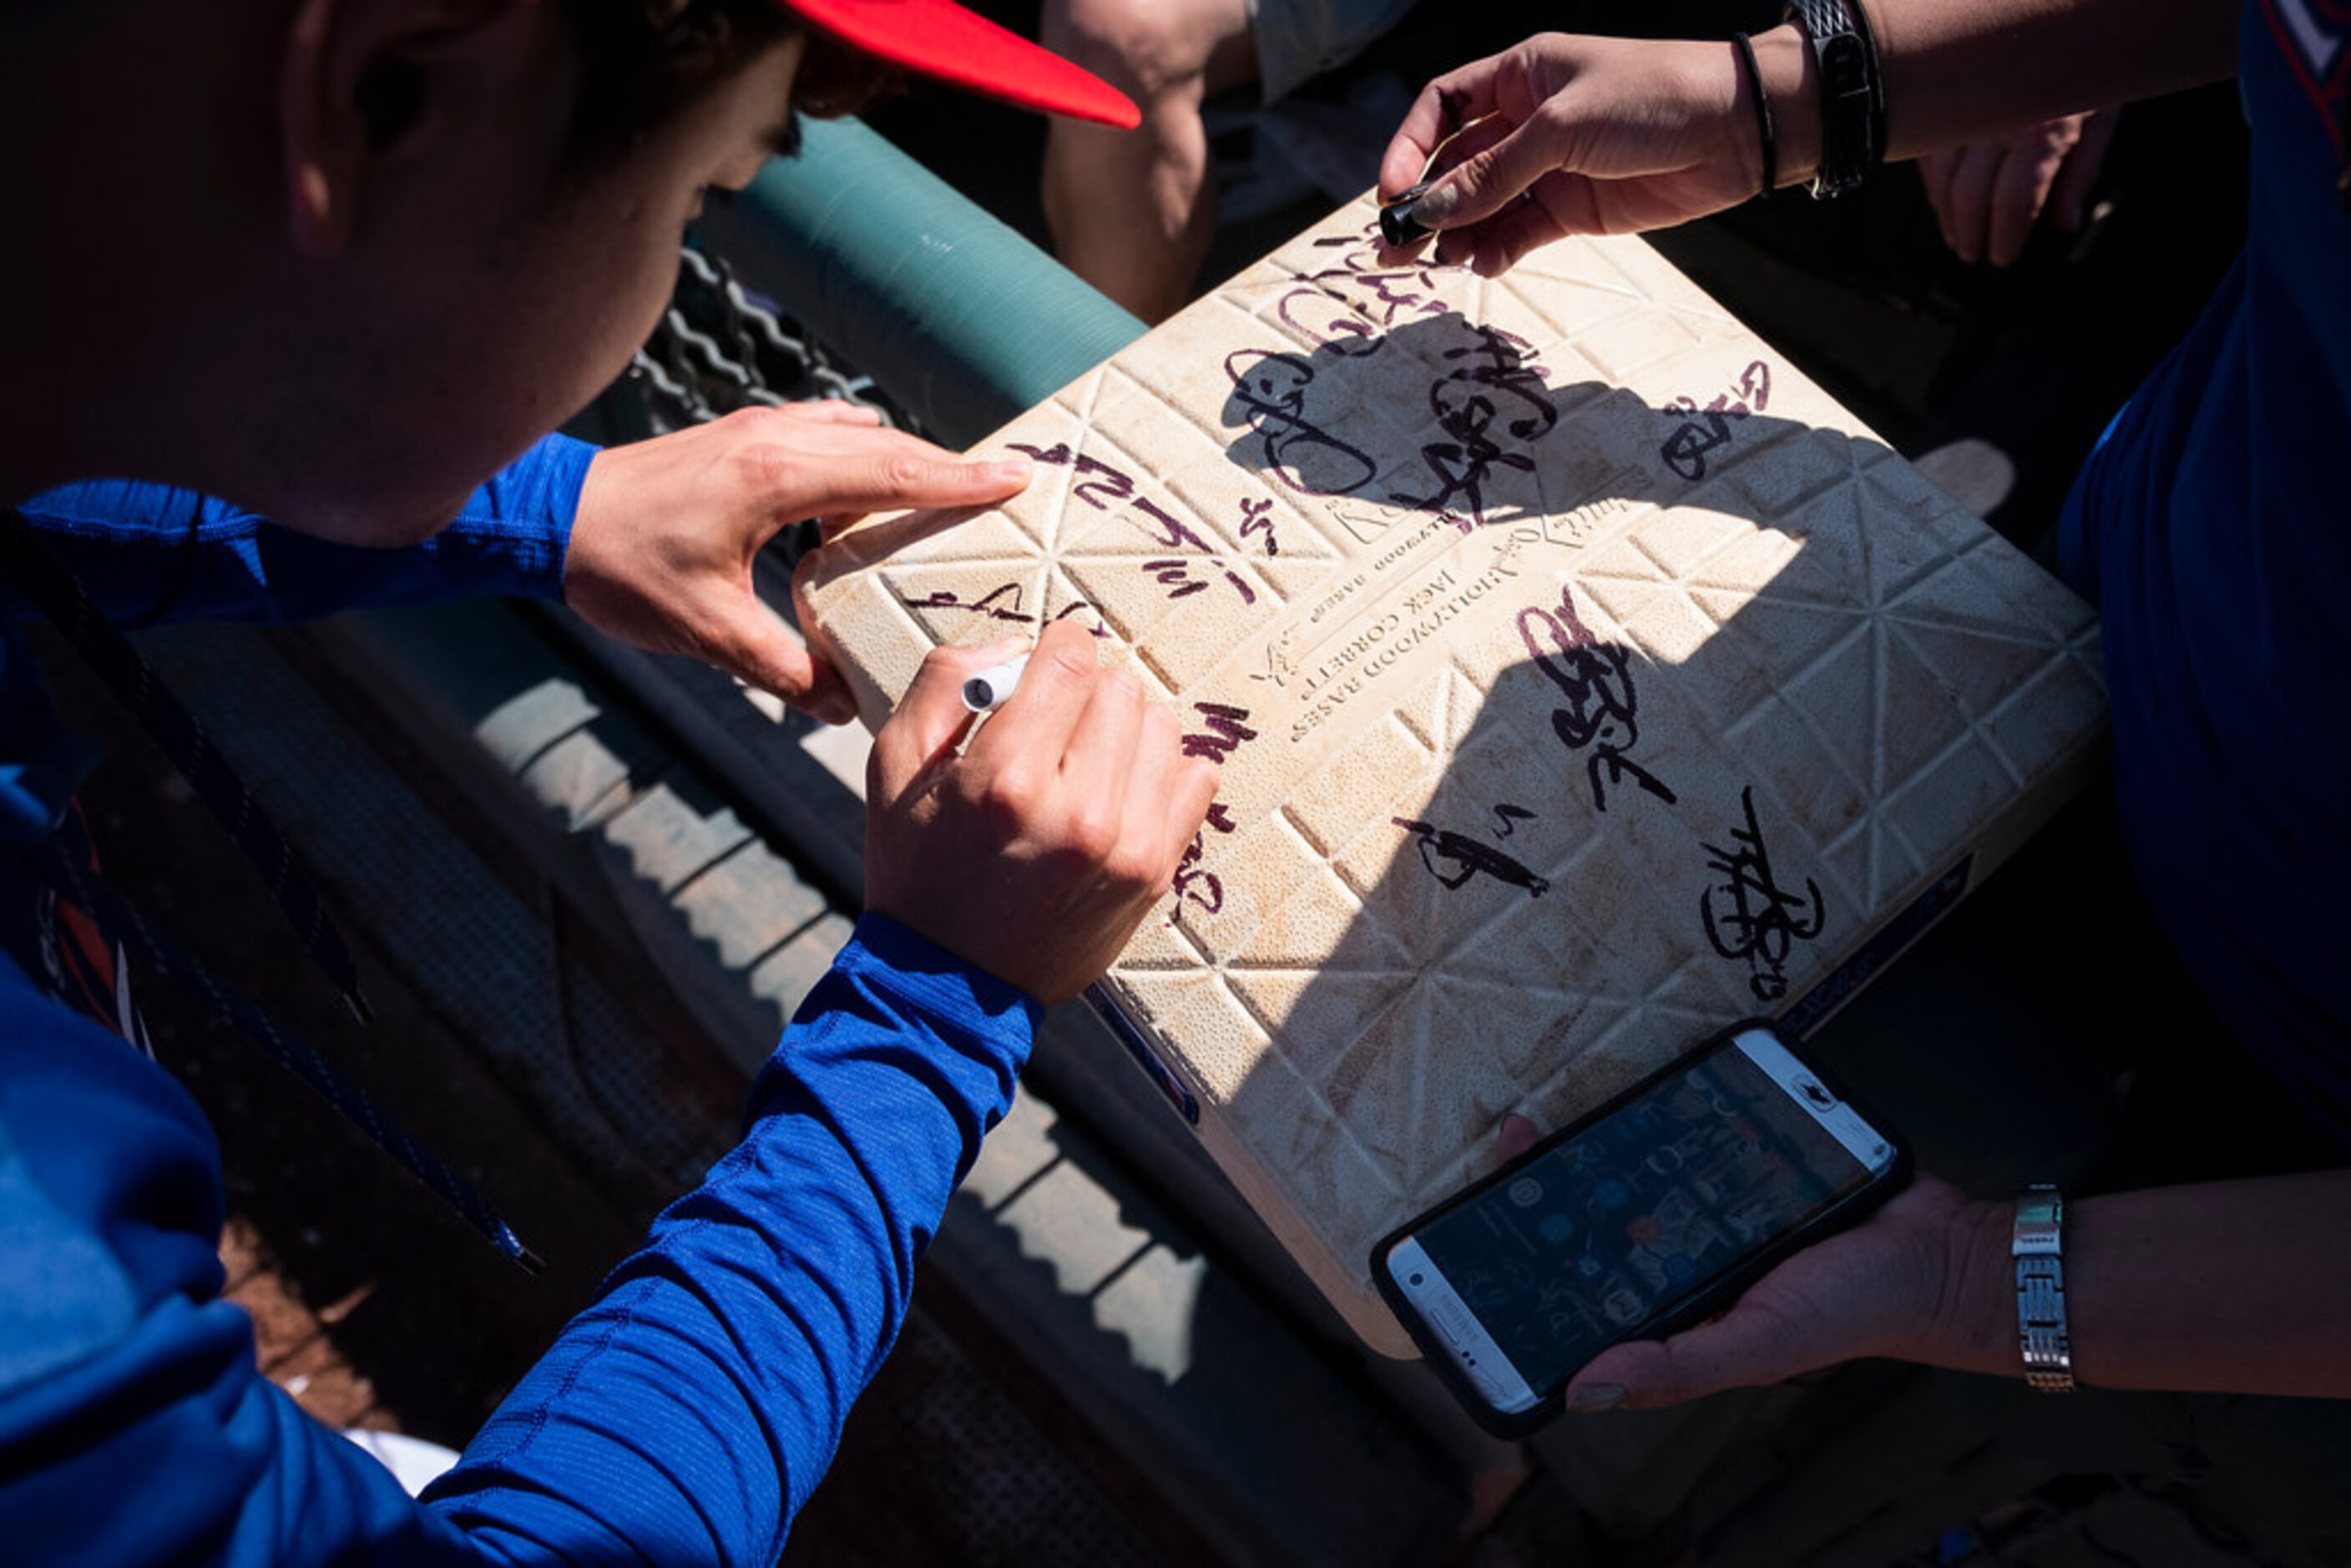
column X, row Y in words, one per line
column 1031, row 842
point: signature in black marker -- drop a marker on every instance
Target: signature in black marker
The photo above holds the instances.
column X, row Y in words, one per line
column 1195, row 884
column 1468, row 857
column 1707, row 429
column 1172, row 532
column 1757, row 921
column 1101, row 483
column 1174, row 575
column 1508, row 816
column 1500, row 382
column 1105, row 484
column 986, row 604
column 1225, row 734
column 1603, row 709
column 1271, row 389
column 1256, row 518
column 1360, row 297
column 1010, row 610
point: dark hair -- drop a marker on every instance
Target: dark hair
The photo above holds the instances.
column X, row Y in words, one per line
column 642, row 61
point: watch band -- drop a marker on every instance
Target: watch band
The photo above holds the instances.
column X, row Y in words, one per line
column 1850, row 95
column 2038, row 1245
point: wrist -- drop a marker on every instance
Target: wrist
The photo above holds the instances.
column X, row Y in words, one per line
column 589, row 502
column 939, row 980
column 1974, row 1324
column 514, row 535
column 1790, row 76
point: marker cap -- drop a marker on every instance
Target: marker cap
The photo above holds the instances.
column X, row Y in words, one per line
column 939, row 38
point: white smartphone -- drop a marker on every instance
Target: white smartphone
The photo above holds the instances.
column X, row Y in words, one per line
column 1650, row 1214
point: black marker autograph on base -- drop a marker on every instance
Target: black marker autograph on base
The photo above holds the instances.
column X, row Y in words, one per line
column 1601, row 718
column 1757, row 920
column 1469, row 858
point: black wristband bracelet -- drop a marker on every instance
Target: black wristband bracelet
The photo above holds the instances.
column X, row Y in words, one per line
column 1764, row 130
column 1876, row 155
column 1852, row 96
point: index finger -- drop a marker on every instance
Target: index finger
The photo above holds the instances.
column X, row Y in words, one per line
column 831, row 411
column 872, row 468
column 1444, row 107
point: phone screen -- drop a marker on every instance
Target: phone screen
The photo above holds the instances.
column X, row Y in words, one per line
column 1636, row 1213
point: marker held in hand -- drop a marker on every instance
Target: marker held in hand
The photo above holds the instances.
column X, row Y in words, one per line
column 987, row 690
column 1400, row 222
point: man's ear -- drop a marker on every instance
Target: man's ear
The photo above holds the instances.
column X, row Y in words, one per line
column 367, row 83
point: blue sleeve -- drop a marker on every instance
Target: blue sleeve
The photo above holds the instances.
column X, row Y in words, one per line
column 686, row 1416
column 149, row 553
column 683, row 1418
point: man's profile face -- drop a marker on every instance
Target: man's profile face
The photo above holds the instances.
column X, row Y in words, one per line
column 489, row 280
column 566, row 296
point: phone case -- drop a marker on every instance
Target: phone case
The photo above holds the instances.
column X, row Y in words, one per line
column 1844, row 1214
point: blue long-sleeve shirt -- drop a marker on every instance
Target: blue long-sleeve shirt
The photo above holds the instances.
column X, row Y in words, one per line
column 683, row 1417
column 149, row 553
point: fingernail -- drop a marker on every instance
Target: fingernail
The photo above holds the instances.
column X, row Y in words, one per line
column 1596, row 1397
column 1434, row 206
column 1011, row 468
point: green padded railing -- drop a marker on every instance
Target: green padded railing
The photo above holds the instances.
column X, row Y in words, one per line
column 959, row 319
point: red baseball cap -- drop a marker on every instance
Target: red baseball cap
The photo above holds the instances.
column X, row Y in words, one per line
column 940, row 38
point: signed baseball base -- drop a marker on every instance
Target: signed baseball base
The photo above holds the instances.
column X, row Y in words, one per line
column 1584, row 679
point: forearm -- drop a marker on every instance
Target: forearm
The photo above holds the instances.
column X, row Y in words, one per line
column 683, row 1417
column 1958, row 70
column 149, row 553
column 2221, row 1287
column 690, row 1412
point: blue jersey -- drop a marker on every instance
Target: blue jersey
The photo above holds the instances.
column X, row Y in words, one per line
column 2213, row 529
column 685, row 1416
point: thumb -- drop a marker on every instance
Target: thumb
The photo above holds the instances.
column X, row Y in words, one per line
column 1637, row 1375
column 758, row 646
column 1746, row 1347
column 1493, row 177
column 1513, row 1136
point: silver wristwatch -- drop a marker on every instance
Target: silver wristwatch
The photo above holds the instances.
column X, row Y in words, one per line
column 2038, row 1246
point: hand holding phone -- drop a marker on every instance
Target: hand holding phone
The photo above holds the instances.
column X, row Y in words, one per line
column 1647, row 1216
column 1884, row 1288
